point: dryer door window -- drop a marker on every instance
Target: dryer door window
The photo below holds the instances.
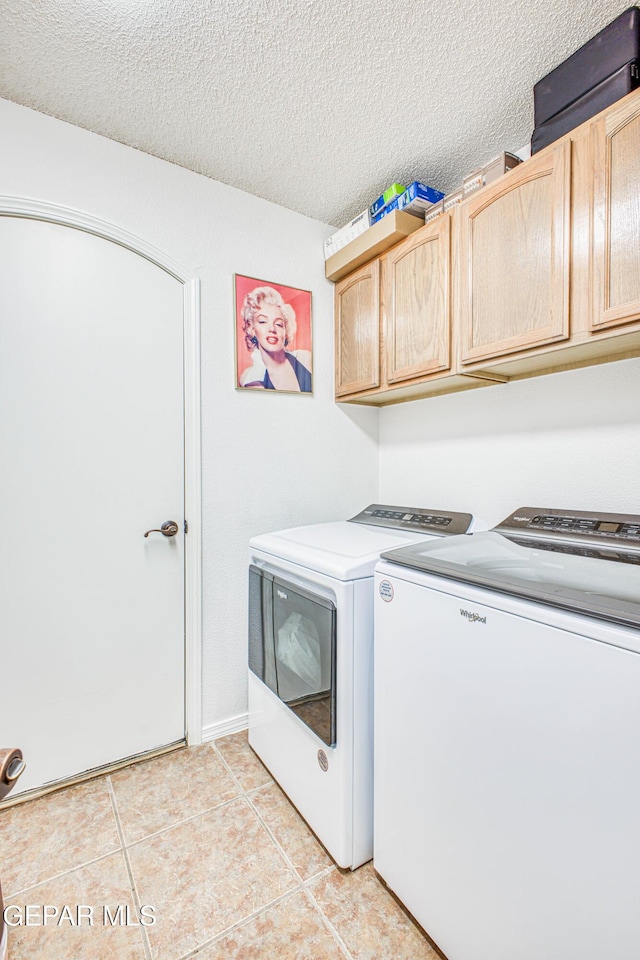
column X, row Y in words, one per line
column 292, row 648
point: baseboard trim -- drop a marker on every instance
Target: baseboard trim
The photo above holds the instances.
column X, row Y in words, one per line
column 222, row 729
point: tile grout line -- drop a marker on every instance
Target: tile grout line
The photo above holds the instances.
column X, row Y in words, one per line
column 329, row 926
column 180, row 823
column 262, row 821
column 194, row 816
column 241, row 923
column 243, row 795
column 285, row 856
column 146, row 945
column 63, row 873
column 319, row 876
column 236, row 780
column 304, row 885
column 57, row 876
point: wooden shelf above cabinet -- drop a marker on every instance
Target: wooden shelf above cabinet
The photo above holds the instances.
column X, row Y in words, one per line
column 378, row 238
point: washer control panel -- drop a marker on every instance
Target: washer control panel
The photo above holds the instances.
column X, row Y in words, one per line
column 613, row 529
column 414, row 518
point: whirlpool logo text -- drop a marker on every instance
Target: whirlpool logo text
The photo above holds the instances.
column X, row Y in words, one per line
column 472, row 617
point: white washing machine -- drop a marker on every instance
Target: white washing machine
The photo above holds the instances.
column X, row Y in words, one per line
column 507, row 737
column 311, row 661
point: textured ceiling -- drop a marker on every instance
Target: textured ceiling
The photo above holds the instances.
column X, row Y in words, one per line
column 314, row 104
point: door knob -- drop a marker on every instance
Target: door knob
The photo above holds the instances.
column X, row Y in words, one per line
column 168, row 529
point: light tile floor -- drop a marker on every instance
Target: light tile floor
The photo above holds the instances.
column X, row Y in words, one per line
column 206, row 838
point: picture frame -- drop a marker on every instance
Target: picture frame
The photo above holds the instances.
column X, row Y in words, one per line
column 273, row 336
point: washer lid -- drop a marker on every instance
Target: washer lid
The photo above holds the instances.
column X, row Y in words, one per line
column 342, row 550
column 600, row 582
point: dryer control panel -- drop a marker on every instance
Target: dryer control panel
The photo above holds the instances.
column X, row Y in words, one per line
column 619, row 530
column 443, row 523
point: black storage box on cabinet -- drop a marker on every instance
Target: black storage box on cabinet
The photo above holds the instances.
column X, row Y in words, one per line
column 594, row 62
column 618, row 85
column 590, row 80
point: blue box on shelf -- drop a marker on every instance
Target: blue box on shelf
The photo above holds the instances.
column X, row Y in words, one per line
column 418, row 199
column 385, row 200
column 385, row 210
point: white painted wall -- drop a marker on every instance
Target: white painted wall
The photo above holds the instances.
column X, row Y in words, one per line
column 269, row 461
column 568, row 440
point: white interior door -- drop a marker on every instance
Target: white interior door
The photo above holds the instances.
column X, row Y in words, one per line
column 92, row 645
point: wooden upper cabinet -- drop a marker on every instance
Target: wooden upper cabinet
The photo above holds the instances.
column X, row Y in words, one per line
column 357, row 318
column 539, row 271
column 514, row 259
column 417, row 304
column 615, row 247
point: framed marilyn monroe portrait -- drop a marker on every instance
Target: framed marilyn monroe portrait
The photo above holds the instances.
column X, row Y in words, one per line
column 273, row 336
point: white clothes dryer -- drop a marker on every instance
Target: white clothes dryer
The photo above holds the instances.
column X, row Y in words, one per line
column 507, row 768
column 311, row 662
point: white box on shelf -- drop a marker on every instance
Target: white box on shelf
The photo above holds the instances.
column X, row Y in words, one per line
column 346, row 234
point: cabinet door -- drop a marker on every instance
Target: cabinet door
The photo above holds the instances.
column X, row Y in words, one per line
column 417, row 304
column 515, row 259
column 616, row 217
column 357, row 313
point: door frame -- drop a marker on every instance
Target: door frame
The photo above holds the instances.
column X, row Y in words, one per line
column 66, row 216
